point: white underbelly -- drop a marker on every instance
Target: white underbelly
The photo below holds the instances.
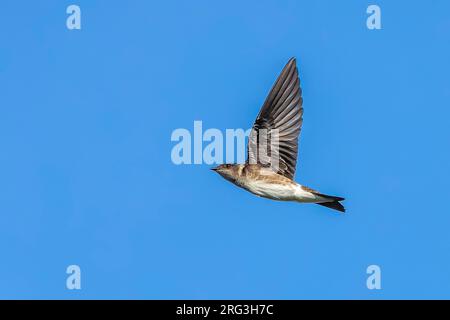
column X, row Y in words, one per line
column 282, row 192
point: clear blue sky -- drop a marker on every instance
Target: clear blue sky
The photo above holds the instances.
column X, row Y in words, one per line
column 86, row 176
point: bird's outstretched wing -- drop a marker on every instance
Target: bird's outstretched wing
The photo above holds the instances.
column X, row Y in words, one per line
column 273, row 140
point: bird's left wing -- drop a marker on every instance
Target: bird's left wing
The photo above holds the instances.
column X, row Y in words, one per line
column 273, row 140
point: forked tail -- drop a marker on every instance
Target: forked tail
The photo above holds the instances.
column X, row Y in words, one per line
column 333, row 203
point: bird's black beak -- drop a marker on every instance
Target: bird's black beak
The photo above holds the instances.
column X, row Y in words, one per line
column 214, row 169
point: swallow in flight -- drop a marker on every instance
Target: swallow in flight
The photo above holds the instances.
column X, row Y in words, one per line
column 273, row 146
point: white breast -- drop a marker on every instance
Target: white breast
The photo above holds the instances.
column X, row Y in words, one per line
column 270, row 190
column 275, row 191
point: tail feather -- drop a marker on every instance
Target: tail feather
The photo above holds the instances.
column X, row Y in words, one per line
column 336, row 205
column 333, row 203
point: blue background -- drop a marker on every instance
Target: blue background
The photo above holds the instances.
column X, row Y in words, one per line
column 86, row 176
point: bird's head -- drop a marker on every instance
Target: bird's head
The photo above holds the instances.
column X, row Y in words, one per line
column 225, row 170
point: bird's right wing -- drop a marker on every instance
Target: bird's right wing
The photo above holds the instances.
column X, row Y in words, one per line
column 273, row 139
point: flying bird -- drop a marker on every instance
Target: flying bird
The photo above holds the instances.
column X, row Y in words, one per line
column 273, row 146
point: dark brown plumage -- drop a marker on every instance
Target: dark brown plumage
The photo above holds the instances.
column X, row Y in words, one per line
column 281, row 115
column 273, row 147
